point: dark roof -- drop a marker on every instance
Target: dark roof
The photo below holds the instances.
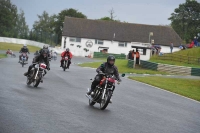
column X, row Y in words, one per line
column 125, row 32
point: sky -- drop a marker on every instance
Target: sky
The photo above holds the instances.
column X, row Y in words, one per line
column 153, row 12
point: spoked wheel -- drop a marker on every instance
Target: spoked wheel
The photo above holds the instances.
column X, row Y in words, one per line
column 36, row 82
column 105, row 101
column 64, row 67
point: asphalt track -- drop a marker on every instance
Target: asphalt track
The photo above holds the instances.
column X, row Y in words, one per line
column 59, row 104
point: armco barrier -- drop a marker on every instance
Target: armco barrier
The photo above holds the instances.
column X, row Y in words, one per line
column 105, row 55
column 130, row 63
column 180, row 70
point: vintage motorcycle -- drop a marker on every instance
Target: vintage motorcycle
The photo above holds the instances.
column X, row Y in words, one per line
column 65, row 62
column 103, row 92
column 36, row 74
column 23, row 59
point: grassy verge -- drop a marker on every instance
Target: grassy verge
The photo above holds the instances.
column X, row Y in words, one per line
column 186, row 87
column 16, row 47
column 122, row 67
column 2, row 56
column 174, row 63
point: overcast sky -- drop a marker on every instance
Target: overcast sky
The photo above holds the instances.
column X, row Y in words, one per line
column 152, row 12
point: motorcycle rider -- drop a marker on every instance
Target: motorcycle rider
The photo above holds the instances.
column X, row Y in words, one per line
column 24, row 49
column 45, row 47
column 39, row 58
column 108, row 68
column 66, row 53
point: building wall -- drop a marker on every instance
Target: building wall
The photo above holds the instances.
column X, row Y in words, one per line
column 166, row 49
column 113, row 47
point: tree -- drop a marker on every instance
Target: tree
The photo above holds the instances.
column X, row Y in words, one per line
column 8, row 18
column 111, row 18
column 60, row 20
column 43, row 28
column 186, row 20
column 21, row 26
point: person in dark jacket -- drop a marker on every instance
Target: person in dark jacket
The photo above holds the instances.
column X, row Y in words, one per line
column 24, row 50
column 45, row 47
column 108, row 68
column 39, row 58
column 130, row 55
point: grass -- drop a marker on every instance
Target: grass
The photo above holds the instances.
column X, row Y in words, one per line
column 174, row 63
column 183, row 55
column 186, row 87
column 16, row 47
column 2, row 56
column 122, row 67
column 195, row 52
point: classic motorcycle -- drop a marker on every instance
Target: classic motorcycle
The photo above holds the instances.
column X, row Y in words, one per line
column 65, row 62
column 36, row 74
column 103, row 92
column 23, row 59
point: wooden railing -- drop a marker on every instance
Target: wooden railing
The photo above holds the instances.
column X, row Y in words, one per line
column 179, row 58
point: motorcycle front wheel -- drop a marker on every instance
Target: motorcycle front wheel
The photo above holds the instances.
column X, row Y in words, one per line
column 105, row 101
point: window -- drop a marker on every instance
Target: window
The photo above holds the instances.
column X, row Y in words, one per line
column 122, row 44
column 71, row 39
column 98, row 41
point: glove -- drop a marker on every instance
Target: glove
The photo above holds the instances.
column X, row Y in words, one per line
column 100, row 72
column 119, row 80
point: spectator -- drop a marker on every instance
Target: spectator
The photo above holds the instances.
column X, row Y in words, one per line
column 171, row 47
column 133, row 54
column 130, row 55
column 137, row 57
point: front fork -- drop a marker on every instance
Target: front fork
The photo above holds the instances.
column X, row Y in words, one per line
column 104, row 91
column 36, row 74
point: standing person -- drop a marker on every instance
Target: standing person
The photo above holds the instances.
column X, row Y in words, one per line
column 133, row 54
column 171, row 47
column 137, row 56
column 130, row 55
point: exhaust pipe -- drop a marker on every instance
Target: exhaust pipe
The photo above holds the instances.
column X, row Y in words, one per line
column 89, row 97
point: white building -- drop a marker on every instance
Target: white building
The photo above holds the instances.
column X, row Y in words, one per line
column 84, row 37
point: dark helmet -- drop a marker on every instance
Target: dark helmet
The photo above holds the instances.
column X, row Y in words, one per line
column 111, row 60
column 67, row 49
column 45, row 47
column 45, row 52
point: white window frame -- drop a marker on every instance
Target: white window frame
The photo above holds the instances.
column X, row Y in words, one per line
column 74, row 39
column 98, row 42
column 124, row 43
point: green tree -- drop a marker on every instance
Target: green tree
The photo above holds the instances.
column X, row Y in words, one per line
column 186, row 20
column 21, row 26
column 8, row 18
column 43, row 28
column 58, row 25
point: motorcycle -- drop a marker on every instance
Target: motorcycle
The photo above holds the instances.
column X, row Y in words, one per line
column 23, row 59
column 54, row 56
column 103, row 92
column 11, row 54
column 36, row 74
column 65, row 62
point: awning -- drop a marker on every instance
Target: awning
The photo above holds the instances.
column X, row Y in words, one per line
column 104, row 47
column 140, row 47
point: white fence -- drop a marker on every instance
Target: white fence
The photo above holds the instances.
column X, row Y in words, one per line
column 28, row 42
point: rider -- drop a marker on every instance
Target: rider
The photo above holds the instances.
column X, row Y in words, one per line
column 24, row 50
column 39, row 58
column 9, row 51
column 108, row 68
column 66, row 53
column 45, row 47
